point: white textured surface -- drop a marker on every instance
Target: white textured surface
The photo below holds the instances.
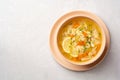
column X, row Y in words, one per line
column 24, row 37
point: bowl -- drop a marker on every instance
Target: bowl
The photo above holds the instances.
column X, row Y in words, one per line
column 71, row 16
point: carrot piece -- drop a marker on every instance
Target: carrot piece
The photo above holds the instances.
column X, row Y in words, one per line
column 82, row 55
column 79, row 56
column 71, row 35
column 75, row 24
column 81, row 43
column 98, row 47
column 85, row 54
column 85, row 34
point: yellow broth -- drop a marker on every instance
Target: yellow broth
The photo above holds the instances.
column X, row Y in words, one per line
column 79, row 39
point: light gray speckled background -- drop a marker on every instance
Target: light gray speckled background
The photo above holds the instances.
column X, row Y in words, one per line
column 24, row 36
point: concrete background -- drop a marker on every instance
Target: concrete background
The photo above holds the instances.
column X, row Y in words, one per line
column 24, row 39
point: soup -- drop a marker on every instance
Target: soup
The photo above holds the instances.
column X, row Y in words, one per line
column 79, row 39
